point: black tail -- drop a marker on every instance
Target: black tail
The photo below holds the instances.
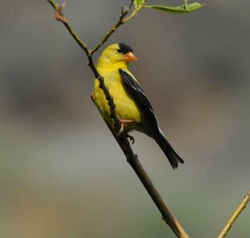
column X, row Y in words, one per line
column 172, row 156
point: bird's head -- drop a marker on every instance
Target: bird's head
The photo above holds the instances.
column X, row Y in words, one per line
column 117, row 54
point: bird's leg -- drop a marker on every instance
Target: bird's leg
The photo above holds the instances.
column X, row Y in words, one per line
column 123, row 123
column 122, row 131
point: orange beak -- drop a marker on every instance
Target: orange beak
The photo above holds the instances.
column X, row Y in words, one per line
column 129, row 57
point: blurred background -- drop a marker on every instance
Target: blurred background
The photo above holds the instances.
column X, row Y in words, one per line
column 61, row 172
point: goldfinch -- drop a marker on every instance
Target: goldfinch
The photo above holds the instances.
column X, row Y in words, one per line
column 132, row 107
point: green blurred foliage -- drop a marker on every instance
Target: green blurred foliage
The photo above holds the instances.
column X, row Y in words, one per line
column 138, row 3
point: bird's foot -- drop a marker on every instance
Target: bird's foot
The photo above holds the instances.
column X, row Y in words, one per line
column 131, row 138
column 127, row 136
column 123, row 132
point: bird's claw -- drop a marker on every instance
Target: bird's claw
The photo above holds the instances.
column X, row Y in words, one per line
column 131, row 138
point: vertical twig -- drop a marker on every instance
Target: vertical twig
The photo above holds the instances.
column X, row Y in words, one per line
column 124, row 12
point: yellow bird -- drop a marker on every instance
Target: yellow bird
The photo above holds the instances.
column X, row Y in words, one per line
column 132, row 108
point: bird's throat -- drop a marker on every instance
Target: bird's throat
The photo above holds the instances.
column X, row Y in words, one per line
column 106, row 65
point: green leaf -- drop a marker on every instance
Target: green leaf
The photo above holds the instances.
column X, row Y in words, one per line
column 178, row 9
column 138, row 3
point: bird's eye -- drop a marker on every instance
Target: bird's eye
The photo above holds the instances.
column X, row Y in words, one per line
column 119, row 50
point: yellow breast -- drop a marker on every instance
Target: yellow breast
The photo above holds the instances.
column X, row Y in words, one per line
column 125, row 107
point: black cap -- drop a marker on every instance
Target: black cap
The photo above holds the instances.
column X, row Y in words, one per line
column 124, row 49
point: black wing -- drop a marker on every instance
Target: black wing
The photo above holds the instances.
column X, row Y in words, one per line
column 137, row 93
column 150, row 124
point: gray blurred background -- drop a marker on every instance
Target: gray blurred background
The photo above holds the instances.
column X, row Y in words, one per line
column 62, row 174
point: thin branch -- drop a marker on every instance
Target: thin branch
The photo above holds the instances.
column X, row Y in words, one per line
column 60, row 17
column 133, row 14
column 131, row 5
column 124, row 13
column 122, row 20
column 123, row 142
column 235, row 215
